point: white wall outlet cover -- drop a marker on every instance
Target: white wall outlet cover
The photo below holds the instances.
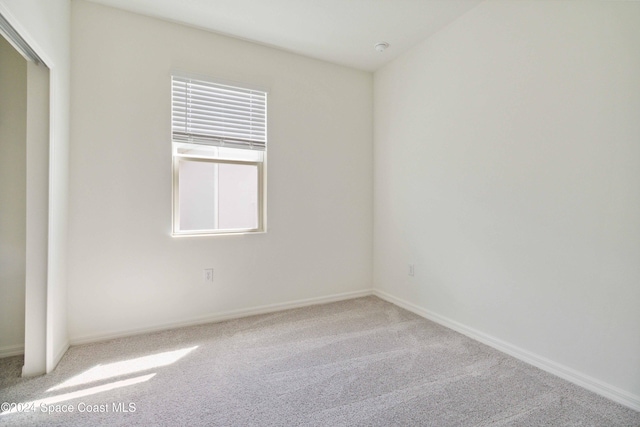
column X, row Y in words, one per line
column 208, row 275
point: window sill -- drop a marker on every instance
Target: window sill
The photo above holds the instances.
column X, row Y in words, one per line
column 205, row 234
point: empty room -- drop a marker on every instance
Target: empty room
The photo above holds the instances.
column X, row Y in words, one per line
column 327, row 213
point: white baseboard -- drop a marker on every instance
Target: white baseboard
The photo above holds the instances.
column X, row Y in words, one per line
column 219, row 317
column 11, row 350
column 57, row 357
column 611, row 392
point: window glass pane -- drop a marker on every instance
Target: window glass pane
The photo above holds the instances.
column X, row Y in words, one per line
column 197, row 191
column 238, row 196
column 217, row 196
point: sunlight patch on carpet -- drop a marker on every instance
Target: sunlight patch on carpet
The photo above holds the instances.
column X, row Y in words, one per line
column 125, row 367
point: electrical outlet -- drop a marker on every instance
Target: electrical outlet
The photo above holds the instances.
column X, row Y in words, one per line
column 412, row 270
column 208, row 275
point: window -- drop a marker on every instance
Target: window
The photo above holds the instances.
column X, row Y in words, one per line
column 219, row 140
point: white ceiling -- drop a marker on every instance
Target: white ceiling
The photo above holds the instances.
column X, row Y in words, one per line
column 340, row 31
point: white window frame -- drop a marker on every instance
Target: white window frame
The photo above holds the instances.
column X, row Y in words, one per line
column 215, row 153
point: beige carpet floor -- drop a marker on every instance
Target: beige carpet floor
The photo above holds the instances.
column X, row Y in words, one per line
column 362, row 362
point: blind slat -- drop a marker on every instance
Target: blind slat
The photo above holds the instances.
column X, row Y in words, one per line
column 196, row 97
column 197, row 112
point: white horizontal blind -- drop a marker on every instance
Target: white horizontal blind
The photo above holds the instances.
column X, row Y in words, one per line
column 217, row 114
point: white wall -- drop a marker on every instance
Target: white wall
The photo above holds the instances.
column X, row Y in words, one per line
column 44, row 24
column 507, row 168
column 13, row 190
column 126, row 272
